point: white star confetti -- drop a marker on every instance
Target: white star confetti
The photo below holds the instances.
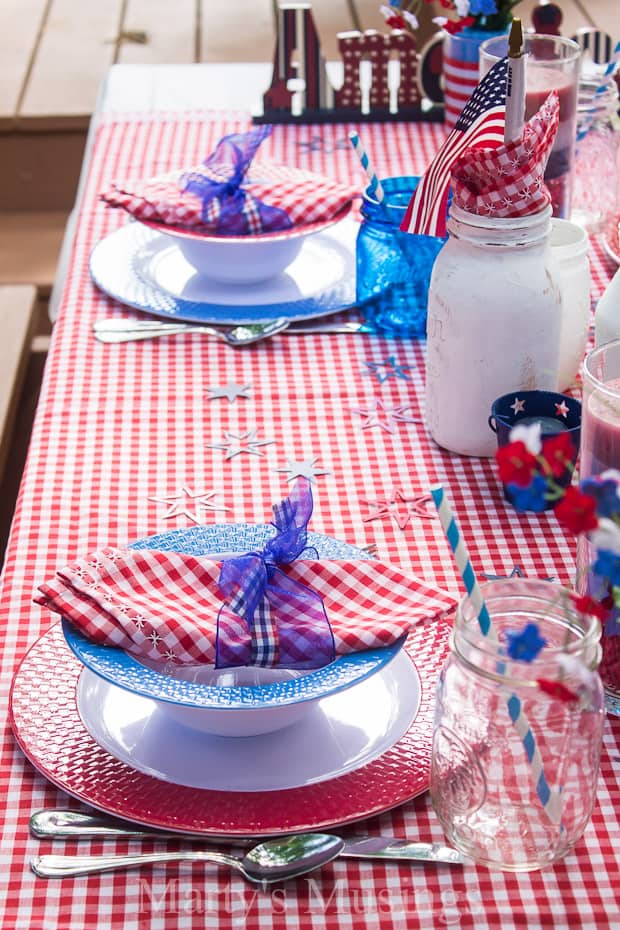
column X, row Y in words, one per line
column 179, row 503
column 373, row 418
column 235, row 444
column 230, row 391
column 303, row 469
column 401, row 508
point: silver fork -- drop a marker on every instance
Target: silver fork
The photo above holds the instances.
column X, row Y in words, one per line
column 112, row 330
column 123, row 330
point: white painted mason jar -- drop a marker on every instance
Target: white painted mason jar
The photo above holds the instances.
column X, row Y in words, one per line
column 494, row 324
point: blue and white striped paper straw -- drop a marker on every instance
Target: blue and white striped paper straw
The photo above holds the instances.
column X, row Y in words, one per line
column 374, row 184
column 549, row 798
column 600, row 90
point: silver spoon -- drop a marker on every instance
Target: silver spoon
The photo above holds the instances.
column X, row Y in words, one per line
column 67, row 824
column 111, row 330
column 272, row 861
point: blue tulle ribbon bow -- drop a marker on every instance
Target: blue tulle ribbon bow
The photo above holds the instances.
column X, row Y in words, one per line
column 227, row 207
column 269, row 618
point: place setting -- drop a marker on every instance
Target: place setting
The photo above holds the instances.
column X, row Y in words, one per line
column 235, row 240
column 157, row 708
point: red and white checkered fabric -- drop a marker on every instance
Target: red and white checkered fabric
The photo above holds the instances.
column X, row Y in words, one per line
column 305, row 196
column 119, row 425
column 164, row 605
column 507, row 181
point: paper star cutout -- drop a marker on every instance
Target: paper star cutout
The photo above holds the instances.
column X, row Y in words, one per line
column 178, row 503
column 303, row 469
column 517, row 572
column 318, row 144
column 393, row 369
column 393, row 507
column 561, row 409
column 373, row 418
column 235, row 445
column 230, row 391
column 518, row 406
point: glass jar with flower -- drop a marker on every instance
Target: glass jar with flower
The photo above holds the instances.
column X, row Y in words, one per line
column 590, row 511
column 465, row 24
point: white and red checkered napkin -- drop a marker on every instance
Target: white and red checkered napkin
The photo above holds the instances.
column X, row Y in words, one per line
column 164, row 605
column 304, row 197
column 507, row 181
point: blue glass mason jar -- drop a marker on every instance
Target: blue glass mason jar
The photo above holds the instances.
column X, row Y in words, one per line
column 393, row 268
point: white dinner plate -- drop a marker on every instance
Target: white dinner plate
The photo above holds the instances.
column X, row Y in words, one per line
column 338, row 735
column 143, row 269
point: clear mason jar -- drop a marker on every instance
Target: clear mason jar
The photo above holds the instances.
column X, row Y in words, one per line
column 494, row 323
column 486, row 792
column 393, row 268
column 597, row 168
column 599, row 452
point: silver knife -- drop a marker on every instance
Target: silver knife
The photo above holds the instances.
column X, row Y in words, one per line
column 348, row 327
column 62, row 824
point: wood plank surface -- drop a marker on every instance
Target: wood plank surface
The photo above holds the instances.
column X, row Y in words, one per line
column 169, row 29
column 76, row 48
column 243, row 30
column 29, row 247
column 20, row 22
column 17, row 319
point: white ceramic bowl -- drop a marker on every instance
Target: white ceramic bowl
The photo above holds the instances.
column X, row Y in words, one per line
column 242, row 259
column 240, row 701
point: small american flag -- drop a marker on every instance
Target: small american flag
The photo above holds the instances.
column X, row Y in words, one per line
column 481, row 124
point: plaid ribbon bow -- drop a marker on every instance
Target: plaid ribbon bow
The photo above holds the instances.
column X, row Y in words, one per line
column 270, row 618
column 233, row 210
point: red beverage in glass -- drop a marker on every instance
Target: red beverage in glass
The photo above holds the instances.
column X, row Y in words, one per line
column 558, row 173
column 600, row 451
column 552, row 63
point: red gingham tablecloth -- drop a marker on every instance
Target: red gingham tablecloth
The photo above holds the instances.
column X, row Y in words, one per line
column 121, row 428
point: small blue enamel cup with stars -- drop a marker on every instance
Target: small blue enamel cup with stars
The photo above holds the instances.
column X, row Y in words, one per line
column 556, row 413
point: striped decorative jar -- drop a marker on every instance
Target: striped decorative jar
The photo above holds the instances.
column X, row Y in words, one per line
column 460, row 68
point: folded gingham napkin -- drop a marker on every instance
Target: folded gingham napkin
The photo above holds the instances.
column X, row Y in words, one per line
column 165, row 606
column 229, row 194
column 507, row 181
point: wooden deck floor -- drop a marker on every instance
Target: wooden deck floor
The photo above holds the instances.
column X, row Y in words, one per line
column 53, row 53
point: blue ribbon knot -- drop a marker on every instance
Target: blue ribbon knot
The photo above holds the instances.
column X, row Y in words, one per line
column 269, row 618
column 228, row 208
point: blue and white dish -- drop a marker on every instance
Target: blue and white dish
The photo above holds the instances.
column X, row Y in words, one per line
column 280, row 695
column 146, row 270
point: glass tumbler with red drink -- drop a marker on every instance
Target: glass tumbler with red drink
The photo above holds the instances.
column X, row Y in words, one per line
column 552, row 64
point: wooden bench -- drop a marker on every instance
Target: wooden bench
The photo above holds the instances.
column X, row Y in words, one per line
column 18, row 306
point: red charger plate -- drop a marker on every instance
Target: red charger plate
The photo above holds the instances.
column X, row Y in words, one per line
column 49, row 730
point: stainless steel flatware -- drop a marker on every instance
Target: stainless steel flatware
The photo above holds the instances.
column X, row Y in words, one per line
column 318, row 327
column 61, row 824
column 271, row 861
column 112, row 330
column 123, row 330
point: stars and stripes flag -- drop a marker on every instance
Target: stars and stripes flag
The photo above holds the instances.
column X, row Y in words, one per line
column 481, row 124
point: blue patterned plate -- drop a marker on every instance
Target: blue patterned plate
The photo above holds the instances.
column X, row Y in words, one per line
column 143, row 269
column 122, row 669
